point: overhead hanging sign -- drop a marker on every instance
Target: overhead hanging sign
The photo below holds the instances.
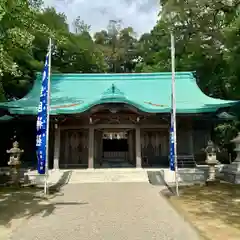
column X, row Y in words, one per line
column 115, row 135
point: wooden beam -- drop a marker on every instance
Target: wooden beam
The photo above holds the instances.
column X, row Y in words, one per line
column 116, row 126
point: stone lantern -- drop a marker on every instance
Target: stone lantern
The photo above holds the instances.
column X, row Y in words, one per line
column 211, row 160
column 14, row 162
column 232, row 171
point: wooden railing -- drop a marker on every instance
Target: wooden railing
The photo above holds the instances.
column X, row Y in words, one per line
column 186, row 161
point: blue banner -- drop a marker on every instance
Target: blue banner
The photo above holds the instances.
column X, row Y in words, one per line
column 172, row 148
column 41, row 138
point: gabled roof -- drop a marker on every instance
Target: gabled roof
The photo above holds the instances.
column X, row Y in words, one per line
column 149, row 92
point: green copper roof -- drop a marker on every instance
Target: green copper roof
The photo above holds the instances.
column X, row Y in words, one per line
column 149, row 92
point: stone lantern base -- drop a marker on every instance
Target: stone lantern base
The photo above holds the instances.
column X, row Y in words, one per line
column 211, row 173
column 231, row 172
column 210, row 182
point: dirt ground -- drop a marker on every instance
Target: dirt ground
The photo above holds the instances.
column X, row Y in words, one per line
column 101, row 211
column 213, row 210
column 17, row 205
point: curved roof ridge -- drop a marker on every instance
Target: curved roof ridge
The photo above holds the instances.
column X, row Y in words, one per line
column 119, row 74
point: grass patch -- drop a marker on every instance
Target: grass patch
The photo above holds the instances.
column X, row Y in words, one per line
column 213, row 210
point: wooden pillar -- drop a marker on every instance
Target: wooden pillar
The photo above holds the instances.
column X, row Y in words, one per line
column 191, row 139
column 138, row 148
column 66, row 144
column 131, row 146
column 191, row 145
column 56, row 148
column 91, row 148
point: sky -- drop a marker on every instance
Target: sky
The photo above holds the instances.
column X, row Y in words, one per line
column 139, row 14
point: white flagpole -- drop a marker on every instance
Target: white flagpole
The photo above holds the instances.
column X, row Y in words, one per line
column 174, row 111
column 48, row 115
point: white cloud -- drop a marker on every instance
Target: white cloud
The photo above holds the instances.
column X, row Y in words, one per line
column 139, row 14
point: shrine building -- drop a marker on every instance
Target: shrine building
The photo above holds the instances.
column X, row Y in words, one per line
column 121, row 120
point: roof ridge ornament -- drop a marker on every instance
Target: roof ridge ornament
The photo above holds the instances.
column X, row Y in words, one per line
column 113, row 88
column 113, row 92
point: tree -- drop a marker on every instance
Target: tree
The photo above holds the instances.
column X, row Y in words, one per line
column 80, row 26
column 118, row 46
column 28, row 32
column 17, row 21
column 201, row 44
column 71, row 52
column 101, row 37
column 232, row 54
column 78, row 53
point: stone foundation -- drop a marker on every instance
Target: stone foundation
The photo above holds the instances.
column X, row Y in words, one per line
column 231, row 172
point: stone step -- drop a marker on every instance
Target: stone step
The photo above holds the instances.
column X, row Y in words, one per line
column 39, row 180
column 156, row 178
column 96, row 176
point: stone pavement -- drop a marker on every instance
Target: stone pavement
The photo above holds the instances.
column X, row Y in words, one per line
column 107, row 211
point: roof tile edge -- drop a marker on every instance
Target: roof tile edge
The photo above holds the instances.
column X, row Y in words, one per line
column 182, row 75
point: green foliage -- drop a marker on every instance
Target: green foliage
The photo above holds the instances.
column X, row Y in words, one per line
column 118, row 46
column 225, row 132
column 26, row 28
column 80, row 26
column 19, row 26
column 207, row 41
column 16, row 23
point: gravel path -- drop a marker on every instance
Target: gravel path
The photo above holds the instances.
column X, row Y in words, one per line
column 107, row 211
